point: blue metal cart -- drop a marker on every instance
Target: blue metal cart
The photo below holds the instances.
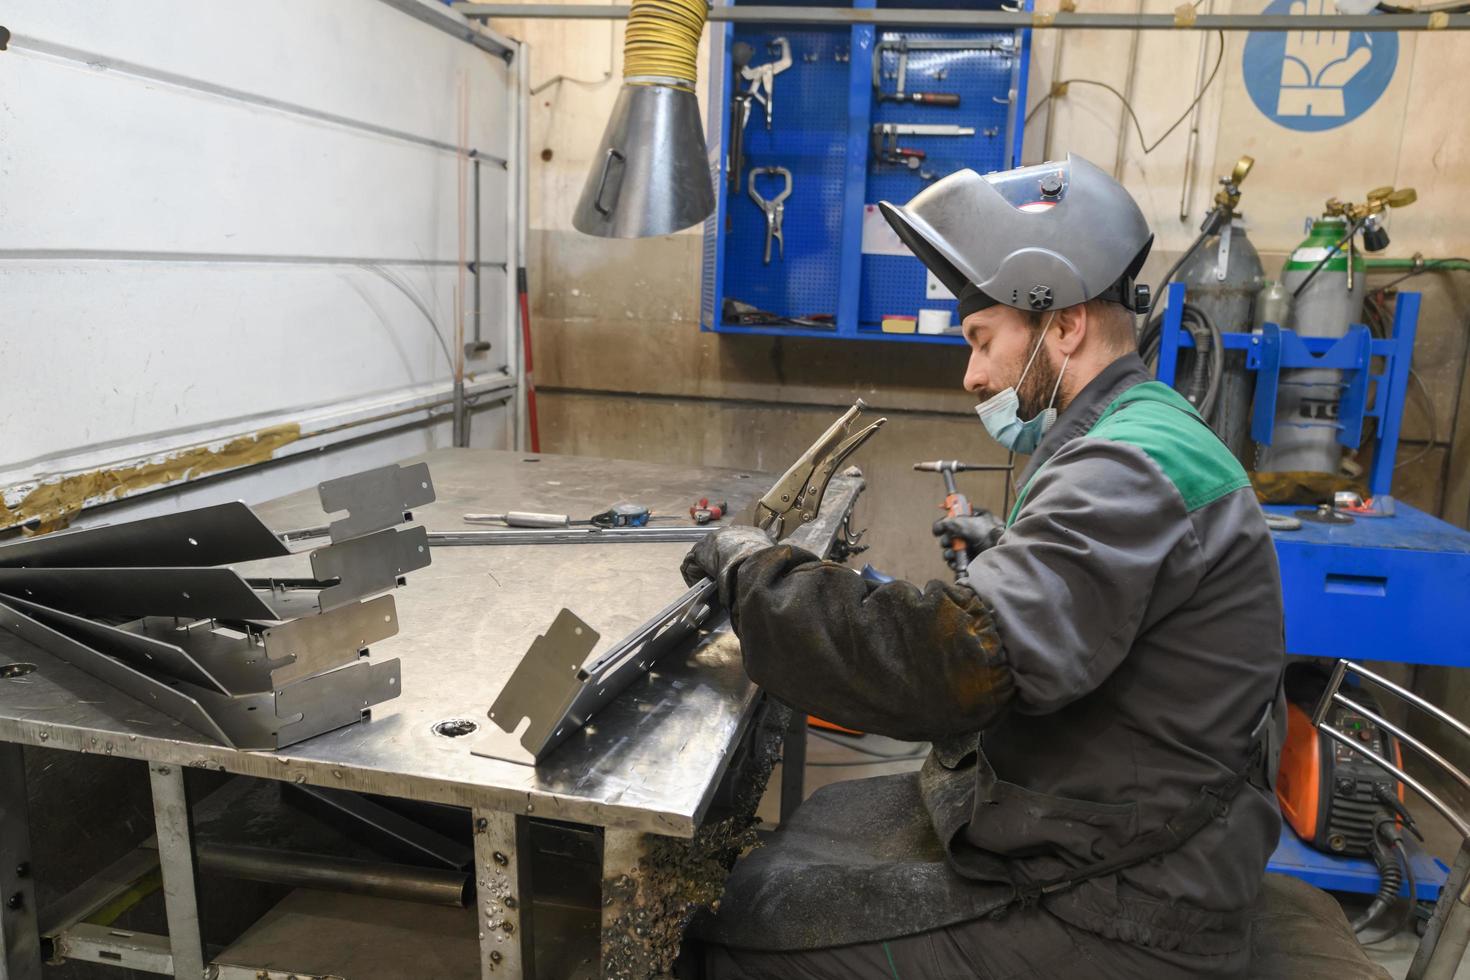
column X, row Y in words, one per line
column 1387, row 588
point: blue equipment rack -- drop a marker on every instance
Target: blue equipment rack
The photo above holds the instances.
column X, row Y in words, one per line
column 1385, row 588
column 825, row 108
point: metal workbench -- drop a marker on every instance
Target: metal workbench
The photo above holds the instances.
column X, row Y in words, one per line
column 648, row 764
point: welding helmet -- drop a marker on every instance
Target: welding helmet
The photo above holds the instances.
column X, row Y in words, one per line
column 1034, row 238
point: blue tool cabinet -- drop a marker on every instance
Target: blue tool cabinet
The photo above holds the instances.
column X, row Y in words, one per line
column 825, row 109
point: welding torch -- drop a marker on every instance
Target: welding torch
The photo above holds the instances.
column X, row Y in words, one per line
column 955, row 503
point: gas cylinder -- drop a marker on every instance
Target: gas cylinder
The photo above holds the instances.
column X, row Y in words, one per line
column 1221, row 279
column 1304, row 438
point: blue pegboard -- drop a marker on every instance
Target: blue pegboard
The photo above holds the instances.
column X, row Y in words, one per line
column 825, row 110
column 894, row 284
column 808, row 136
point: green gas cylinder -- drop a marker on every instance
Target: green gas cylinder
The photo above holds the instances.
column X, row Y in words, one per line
column 1305, row 435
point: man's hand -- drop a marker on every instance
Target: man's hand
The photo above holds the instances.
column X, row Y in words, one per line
column 979, row 531
column 717, row 556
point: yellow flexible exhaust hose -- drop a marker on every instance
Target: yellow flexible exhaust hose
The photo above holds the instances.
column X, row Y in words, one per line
column 663, row 39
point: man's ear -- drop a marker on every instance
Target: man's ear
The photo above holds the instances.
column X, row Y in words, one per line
column 1072, row 326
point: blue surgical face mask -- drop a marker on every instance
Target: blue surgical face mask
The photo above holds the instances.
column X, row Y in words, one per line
column 1000, row 413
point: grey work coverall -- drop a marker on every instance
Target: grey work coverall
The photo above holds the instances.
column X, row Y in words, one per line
column 1116, row 649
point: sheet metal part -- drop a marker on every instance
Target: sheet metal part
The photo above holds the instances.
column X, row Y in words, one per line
column 558, row 705
column 217, row 535
column 143, row 652
column 133, row 683
column 195, row 592
column 367, row 565
column 656, row 754
column 237, row 660
column 554, row 694
column 375, row 499
column 274, row 719
column 242, row 709
column 301, row 647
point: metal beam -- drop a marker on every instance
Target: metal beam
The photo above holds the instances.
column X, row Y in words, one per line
column 503, row 895
column 175, row 831
column 995, row 19
column 20, row 944
column 440, row 19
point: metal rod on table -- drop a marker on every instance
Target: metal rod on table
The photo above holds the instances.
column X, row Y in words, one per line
column 427, row 886
column 612, row 535
column 997, row 19
column 176, row 858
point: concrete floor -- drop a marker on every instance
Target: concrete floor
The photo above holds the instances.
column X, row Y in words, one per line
column 833, row 758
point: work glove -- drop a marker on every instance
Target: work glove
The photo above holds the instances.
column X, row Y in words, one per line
column 979, row 531
column 719, row 553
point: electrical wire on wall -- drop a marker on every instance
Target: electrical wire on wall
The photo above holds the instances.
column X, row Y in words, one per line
column 612, row 49
column 1060, row 88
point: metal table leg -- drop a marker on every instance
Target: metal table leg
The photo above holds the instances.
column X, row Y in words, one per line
column 503, row 895
column 18, row 933
column 622, row 951
column 173, row 823
column 793, row 765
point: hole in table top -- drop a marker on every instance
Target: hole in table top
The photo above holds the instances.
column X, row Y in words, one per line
column 12, row 671
column 455, row 727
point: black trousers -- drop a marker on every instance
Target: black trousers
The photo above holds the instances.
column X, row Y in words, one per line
column 1023, row 944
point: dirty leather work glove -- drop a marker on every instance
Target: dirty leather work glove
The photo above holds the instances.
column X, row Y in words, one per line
column 979, row 531
column 717, row 556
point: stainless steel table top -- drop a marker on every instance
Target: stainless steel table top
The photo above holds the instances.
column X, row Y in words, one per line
column 649, row 762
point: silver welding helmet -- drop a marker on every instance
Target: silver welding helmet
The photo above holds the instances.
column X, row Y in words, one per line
column 1034, row 238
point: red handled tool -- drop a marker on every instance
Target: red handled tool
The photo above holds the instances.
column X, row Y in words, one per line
column 703, row 512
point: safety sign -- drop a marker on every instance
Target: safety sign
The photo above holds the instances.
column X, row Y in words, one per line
column 1316, row 80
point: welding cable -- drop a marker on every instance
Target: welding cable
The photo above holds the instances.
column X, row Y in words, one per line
column 662, row 41
column 1390, row 880
column 887, row 756
column 1163, row 286
column 1387, row 830
column 1209, row 362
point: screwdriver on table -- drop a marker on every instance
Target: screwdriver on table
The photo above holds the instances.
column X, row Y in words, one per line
column 619, row 515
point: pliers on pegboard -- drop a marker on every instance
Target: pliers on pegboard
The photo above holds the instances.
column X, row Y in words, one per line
column 774, row 208
column 762, row 78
